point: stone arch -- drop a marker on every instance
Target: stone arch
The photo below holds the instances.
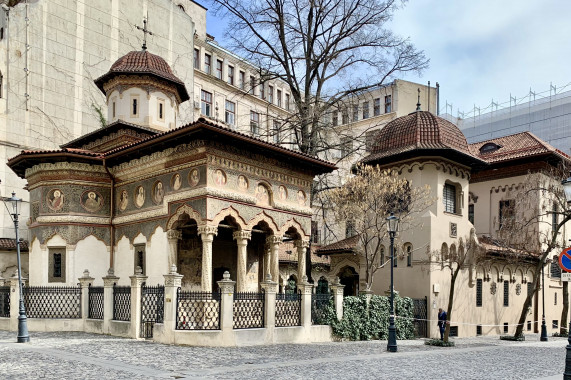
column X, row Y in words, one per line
column 344, row 263
column 444, row 252
column 295, row 224
column 184, row 209
column 263, row 217
column 495, row 273
column 229, row 211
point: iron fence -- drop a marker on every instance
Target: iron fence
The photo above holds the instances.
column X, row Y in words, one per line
column 4, row 301
column 152, row 308
column 52, row 301
column 248, row 310
column 319, row 305
column 121, row 303
column 198, row 310
column 288, row 309
column 95, row 298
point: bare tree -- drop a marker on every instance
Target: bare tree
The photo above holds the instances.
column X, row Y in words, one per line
column 326, row 51
column 530, row 225
column 367, row 199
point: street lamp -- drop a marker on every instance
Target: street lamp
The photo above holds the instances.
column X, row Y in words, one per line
column 543, row 337
column 23, row 335
column 392, row 226
column 567, row 374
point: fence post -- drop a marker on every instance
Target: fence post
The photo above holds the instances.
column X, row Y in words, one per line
column 270, row 289
column 85, row 281
column 108, row 282
column 15, row 300
column 306, row 290
column 137, row 281
column 337, row 290
column 173, row 281
column 226, row 302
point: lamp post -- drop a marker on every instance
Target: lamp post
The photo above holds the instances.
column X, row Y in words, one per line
column 392, row 226
column 567, row 374
column 543, row 337
column 23, row 335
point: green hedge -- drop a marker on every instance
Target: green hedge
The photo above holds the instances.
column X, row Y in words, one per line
column 365, row 323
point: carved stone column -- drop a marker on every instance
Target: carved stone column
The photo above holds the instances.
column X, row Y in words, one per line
column 337, row 291
column 226, row 302
column 242, row 238
column 173, row 281
column 108, row 282
column 207, row 234
column 137, row 281
column 85, row 282
column 274, row 243
column 173, row 236
column 301, row 246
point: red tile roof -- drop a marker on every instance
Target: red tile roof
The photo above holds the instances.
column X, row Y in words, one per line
column 10, row 244
column 519, row 145
column 341, row 246
column 143, row 62
column 420, row 130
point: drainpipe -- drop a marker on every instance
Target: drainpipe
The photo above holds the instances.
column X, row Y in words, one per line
column 112, row 213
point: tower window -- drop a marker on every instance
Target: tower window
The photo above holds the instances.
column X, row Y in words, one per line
column 140, row 257
column 135, row 108
column 161, row 110
column 114, row 109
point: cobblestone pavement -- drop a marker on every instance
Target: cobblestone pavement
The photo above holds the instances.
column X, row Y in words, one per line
column 87, row 356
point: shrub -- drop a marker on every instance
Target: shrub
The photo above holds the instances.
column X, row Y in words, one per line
column 439, row 343
column 365, row 322
column 520, row 338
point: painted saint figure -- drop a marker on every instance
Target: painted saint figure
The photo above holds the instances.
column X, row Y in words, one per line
column 159, row 192
column 242, row 183
column 219, row 177
column 262, row 195
column 283, row 193
column 140, row 197
column 301, row 198
column 194, row 177
column 93, row 201
column 55, row 202
column 123, row 200
column 176, row 182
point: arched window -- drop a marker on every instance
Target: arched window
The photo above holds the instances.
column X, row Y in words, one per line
column 408, row 250
column 382, row 254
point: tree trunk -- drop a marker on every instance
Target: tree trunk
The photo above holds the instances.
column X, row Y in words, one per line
column 450, row 303
column 526, row 305
column 565, row 311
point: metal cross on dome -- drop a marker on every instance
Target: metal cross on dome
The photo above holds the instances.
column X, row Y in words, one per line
column 145, row 32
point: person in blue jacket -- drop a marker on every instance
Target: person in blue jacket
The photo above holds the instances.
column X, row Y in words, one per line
column 442, row 322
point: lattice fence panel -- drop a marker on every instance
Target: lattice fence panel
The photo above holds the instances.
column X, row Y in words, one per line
column 319, row 305
column 288, row 310
column 122, row 303
column 198, row 310
column 152, row 308
column 52, row 302
column 95, row 294
column 4, row 301
column 248, row 310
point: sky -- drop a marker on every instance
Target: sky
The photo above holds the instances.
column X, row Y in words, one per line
column 483, row 50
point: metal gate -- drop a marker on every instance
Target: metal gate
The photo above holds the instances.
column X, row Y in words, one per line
column 152, row 308
column 420, row 317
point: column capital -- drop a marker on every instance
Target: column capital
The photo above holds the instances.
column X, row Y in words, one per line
column 86, row 279
column 301, row 244
column 274, row 239
column 206, row 232
column 137, row 280
column 242, row 235
column 174, row 234
column 269, row 286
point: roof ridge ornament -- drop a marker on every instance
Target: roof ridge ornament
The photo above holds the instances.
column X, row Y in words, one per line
column 145, row 32
column 418, row 101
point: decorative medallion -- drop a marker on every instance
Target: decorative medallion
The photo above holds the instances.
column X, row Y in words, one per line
column 301, row 197
column 518, row 289
column 139, row 196
column 219, row 177
column 242, row 183
column 123, row 200
column 55, row 199
column 493, row 288
column 282, row 193
column 91, row 201
column 193, row 177
column 176, row 181
column 158, row 192
column 262, row 195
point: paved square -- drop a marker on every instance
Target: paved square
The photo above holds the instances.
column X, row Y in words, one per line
column 87, row 356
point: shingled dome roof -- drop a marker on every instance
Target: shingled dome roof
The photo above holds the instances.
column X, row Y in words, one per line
column 143, row 63
column 420, row 133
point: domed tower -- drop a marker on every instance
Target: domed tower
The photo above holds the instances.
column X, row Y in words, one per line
column 141, row 89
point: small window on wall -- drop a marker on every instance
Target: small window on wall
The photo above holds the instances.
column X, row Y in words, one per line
column 555, row 324
column 140, row 258
column 506, row 212
column 382, row 262
column 471, row 213
column 449, row 198
column 114, row 107
column 528, row 325
column 161, row 110
column 555, row 299
column 479, row 285
column 479, row 330
column 453, row 331
column 135, row 107
column 408, row 249
column 56, row 265
column 506, row 327
column 506, row 293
